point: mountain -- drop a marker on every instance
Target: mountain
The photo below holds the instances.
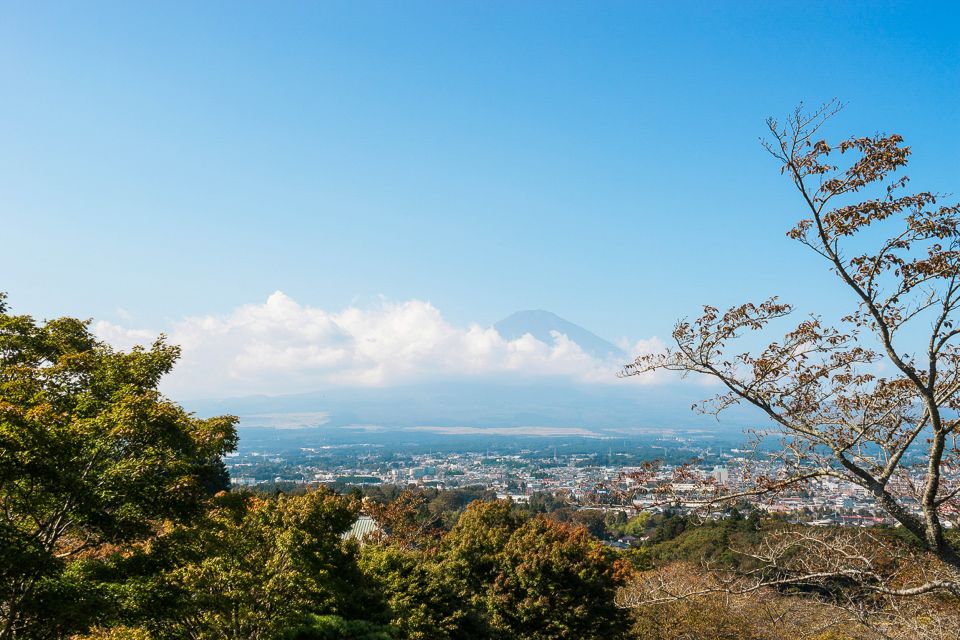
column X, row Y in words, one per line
column 540, row 324
column 620, row 407
column 490, row 402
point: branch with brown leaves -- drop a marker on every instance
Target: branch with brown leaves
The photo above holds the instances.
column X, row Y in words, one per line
column 897, row 256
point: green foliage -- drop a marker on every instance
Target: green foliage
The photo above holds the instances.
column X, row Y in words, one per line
column 557, row 581
column 91, row 454
column 635, row 526
column 450, row 504
column 332, row 627
column 472, row 548
column 115, row 633
column 500, row 574
column 423, row 603
column 541, row 502
column 255, row 566
column 677, row 538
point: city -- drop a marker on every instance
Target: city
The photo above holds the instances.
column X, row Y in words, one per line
column 599, row 480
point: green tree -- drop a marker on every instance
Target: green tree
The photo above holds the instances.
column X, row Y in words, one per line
column 423, row 602
column 91, row 454
column 636, row 526
column 472, row 548
column 256, row 567
column 332, row 627
column 557, row 582
column 115, row 633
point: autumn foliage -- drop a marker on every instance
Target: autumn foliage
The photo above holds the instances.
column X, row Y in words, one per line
column 871, row 399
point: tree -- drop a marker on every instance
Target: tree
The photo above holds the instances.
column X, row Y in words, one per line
column 336, row 628
column 897, row 255
column 115, row 633
column 635, row 526
column 473, row 547
column 423, row 603
column 765, row 614
column 91, row 454
column 406, row 519
column 533, row 578
column 557, row 581
column 256, row 567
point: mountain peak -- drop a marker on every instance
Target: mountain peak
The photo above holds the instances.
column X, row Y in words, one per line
column 541, row 323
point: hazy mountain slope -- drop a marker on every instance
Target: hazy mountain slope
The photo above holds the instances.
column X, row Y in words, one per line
column 493, row 401
column 483, row 404
column 541, row 323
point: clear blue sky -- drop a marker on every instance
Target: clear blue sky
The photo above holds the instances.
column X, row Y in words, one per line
column 598, row 159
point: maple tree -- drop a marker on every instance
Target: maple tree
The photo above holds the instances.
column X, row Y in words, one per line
column 838, row 412
column 92, row 456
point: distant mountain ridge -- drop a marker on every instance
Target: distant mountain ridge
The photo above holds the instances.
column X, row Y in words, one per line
column 540, row 324
column 496, row 401
column 621, row 407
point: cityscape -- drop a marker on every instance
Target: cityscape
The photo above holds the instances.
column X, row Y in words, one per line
column 585, row 475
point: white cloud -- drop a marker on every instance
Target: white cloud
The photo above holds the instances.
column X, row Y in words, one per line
column 281, row 346
column 122, row 337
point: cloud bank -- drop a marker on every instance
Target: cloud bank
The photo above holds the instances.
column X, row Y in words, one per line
column 281, row 346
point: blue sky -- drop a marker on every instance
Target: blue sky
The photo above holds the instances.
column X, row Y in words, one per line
column 599, row 160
